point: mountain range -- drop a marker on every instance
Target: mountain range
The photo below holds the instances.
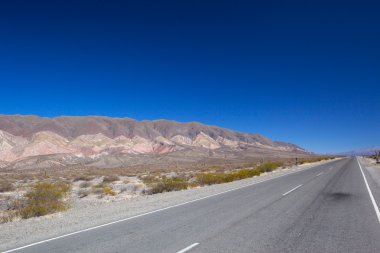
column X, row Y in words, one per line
column 29, row 141
column 359, row 152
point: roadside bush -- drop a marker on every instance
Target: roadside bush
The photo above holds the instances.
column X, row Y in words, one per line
column 167, row 185
column 110, row 179
column 209, row 178
column 269, row 166
column 317, row 159
column 219, row 178
column 44, row 198
column 245, row 173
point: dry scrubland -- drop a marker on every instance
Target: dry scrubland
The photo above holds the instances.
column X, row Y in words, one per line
column 32, row 193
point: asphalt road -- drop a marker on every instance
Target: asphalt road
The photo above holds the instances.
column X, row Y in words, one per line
column 324, row 209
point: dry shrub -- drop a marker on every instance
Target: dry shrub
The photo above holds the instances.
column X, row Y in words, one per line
column 8, row 216
column 108, row 191
column 103, row 189
column 5, row 186
column 44, row 198
column 110, row 179
column 209, row 178
column 83, row 193
column 85, row 184
column 83, row 178
column 97, row 191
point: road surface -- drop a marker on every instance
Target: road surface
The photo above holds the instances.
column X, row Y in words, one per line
column 329, row 208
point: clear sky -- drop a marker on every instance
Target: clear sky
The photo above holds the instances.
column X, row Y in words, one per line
column 306, row 72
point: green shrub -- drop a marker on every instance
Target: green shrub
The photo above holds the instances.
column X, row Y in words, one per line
column 44, row 198
column 168, row 185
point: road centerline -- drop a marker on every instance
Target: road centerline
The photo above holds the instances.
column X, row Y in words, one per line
column 319, row 174
column 370, row 193
column 295, row 188
column 188, row 247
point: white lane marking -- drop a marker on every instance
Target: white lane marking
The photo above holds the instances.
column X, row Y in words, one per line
column 158, row 210
column 295, row 188
column 319, row 174
column 189, row 247
column 370, row 193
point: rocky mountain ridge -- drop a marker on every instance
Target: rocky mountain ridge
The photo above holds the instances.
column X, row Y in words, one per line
column 92, row 137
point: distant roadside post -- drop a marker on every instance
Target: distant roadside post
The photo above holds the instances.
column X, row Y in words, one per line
column 377, row 156
column 296, row 161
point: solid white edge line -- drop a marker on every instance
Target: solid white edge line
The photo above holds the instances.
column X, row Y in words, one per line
column 189, row 247
column 158, row 210
column 295, row 188
column 370, row 193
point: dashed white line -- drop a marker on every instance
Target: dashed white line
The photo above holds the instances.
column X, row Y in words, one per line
column 319, row 174
column 189, row 247
column 295, row 188
column 370, row 193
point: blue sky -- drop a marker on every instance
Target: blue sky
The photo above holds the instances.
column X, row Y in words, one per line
column 306, row 72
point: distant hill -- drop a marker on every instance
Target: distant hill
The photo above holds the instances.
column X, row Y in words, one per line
column 359, row 152
column 109, row 142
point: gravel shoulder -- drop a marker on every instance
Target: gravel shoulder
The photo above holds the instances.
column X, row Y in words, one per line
column 373, row 169
column 88, row 214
